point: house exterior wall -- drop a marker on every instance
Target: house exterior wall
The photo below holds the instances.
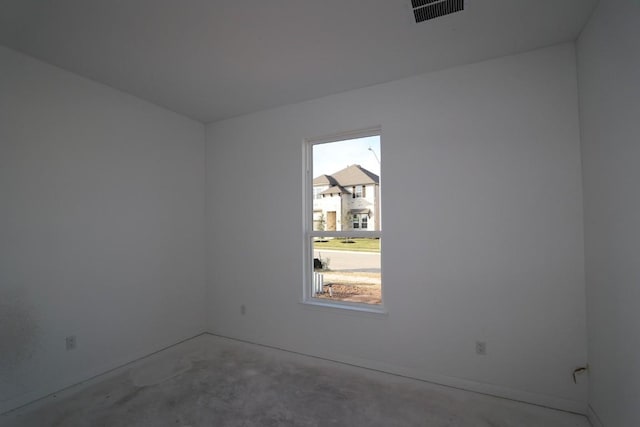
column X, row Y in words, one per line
column 344, row 204
column 326, row 204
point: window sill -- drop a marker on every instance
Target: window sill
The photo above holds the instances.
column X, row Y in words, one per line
column 346, row 307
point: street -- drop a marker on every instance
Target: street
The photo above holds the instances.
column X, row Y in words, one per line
column 350, row 261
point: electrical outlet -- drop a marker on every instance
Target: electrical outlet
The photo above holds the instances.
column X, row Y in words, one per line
column 243, row 309
column 70, row 342
column 481, row 348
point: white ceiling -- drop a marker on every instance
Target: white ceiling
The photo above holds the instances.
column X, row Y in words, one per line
column 213, row 59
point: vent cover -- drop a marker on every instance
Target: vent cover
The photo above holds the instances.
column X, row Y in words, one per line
column 423, row 10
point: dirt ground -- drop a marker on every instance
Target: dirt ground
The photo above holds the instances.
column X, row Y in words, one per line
column 352, row 286
column 353, row 293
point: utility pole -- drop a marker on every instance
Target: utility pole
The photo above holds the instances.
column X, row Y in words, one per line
column 375, row 155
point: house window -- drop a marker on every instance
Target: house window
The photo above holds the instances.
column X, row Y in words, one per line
column 358, row 191
column 360, row 221
column 342, row 234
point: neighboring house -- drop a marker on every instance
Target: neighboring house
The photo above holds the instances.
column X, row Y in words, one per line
column 347, row 200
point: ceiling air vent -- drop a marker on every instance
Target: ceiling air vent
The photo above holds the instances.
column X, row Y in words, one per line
column 423, row 10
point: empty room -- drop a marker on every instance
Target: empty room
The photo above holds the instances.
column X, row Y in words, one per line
column 311, row 213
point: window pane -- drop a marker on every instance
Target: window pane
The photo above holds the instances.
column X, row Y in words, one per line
column 344, row 269
column 347, row 269
column 341, row 171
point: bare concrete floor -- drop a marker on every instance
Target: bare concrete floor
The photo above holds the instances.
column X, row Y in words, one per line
column 212, row 381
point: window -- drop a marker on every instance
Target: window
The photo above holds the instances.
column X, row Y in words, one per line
column 360, row 221
column 342, row 232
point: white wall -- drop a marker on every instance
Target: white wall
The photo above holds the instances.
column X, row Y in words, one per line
column 487, row 157
column 101, row 228
column 608, row 70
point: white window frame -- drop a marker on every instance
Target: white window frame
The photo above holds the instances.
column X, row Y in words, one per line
column 309, row 233
column 360, row 219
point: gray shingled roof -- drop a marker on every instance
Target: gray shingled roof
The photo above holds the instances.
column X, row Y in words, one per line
column 324, row 180
column 349, row 176
column 336, row 189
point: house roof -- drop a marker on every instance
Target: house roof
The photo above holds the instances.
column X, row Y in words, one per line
column 324, row 180
column 361, row 211
column 349, row 176
column 336, row 189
